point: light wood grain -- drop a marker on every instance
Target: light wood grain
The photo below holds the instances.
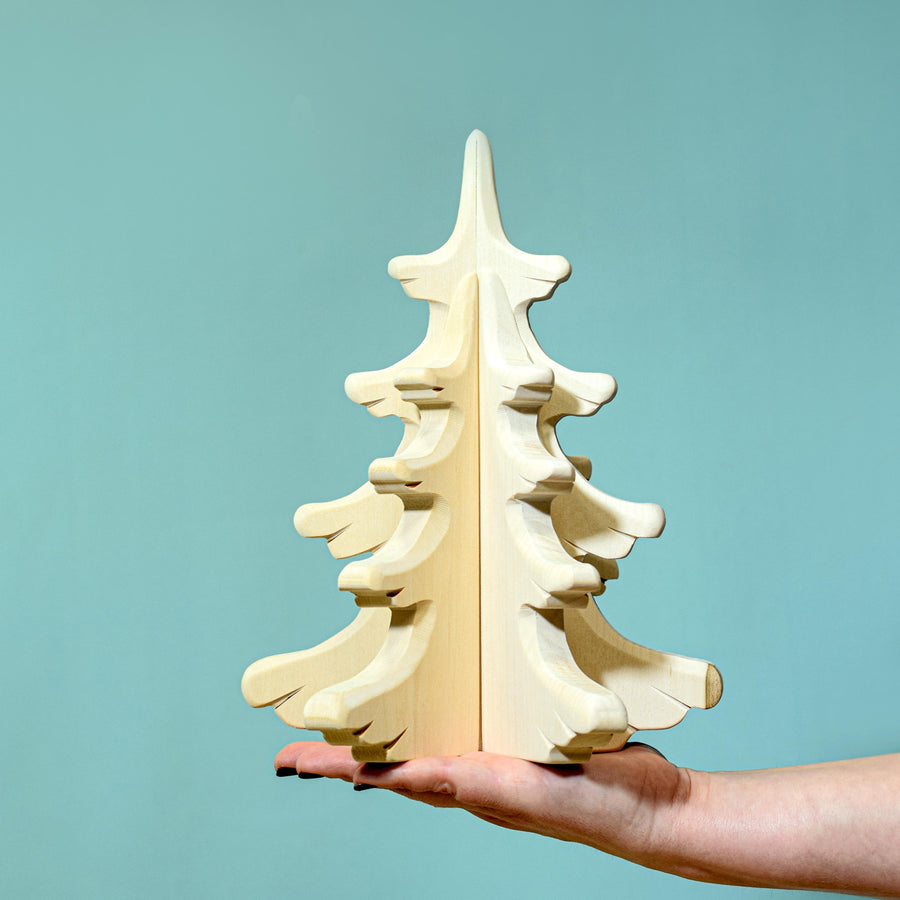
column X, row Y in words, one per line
column 419, row 696
column 477, row 628
column 288, row 680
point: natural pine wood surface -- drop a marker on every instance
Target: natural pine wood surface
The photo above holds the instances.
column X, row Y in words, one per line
column 477, row 627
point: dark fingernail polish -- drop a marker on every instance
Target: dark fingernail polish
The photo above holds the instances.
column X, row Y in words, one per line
column 364, row 787
column 284, row 771
column 309, row 775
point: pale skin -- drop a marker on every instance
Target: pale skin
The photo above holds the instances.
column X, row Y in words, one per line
column 831, row 826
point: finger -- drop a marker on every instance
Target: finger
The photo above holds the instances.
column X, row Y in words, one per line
column 286, row 758
column 318, row 758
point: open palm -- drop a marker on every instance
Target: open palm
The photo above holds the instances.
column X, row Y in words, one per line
column 634, row 791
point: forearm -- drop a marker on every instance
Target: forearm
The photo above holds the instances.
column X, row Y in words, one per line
column 830, row 826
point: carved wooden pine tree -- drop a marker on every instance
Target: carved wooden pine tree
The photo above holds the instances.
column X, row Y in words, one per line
column 477, row 629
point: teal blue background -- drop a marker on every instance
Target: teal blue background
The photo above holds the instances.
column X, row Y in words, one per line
column 197, row 203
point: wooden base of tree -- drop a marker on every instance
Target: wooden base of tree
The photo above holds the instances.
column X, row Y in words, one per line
column 477, row 628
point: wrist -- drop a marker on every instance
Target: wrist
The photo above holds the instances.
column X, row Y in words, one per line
column 680, row 826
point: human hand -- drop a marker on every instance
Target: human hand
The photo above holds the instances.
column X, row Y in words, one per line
column 826, row 826
column 625, row 803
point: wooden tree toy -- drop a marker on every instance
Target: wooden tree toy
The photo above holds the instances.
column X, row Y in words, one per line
column 477, row 628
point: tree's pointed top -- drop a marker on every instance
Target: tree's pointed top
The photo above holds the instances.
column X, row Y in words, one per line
column 478, row 197
column 478, row 240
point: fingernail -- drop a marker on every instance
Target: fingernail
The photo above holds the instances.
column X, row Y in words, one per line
column 308, row 775
column 364, row 787
column 283, row 771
